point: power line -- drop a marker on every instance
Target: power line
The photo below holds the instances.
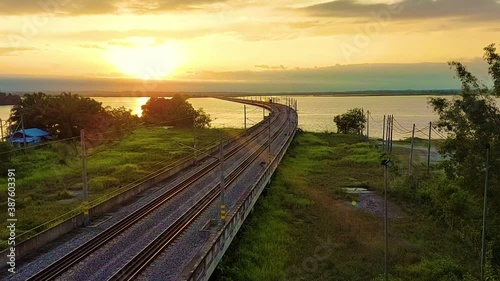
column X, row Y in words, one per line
column 401, row 131
column 38, row 145
column 377, row 122
column 438, row 133
column 420, row 130
column 401, row 126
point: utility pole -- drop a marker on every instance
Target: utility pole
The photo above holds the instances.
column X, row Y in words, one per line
column 1, row 129
column 388, row 131
column 9, row 132
column 24, row 133
column 222, row 187
column 245, row 115
column 263, row 109
column 483, row 236
column 387, row 163
column 84, row 180
column 288, row 118
column 383, row 133
column 390, row 125
column 429, row 149
column 269, row 139
column 392, row 131
column 411, row 149
column 386, row 229
column 194, row 138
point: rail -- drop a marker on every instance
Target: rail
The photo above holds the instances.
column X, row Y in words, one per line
column 203, row 265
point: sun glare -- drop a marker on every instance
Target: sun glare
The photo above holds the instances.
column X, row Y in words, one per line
column 145, row 61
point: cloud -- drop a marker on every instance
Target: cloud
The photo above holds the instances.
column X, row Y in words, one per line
column 68, row 7
column 264, row 66
column 247, row 31
column 117, row 37
column 92, row 46
column 8, row 51
column 142, row 6
column 477, row 10
column 416, row 76
column 88, row 7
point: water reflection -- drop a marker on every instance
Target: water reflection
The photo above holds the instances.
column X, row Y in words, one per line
column 133, row 103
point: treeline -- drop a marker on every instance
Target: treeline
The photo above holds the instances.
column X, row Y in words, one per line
column 9, row 99
column 64, row 115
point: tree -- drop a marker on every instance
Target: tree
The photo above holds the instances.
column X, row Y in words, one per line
column 122, row 118
column 68, row 113
column 351, row 122
column 472, row 120
column 202, row 119
column 175, row 112
column 65, row 114
column 32, row 109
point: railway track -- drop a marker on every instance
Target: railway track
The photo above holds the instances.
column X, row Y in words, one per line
column 136, row 265
column 66, row 262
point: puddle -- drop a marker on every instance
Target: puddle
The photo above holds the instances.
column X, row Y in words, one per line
column 356, row 190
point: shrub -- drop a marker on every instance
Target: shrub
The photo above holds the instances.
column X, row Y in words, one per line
column 351, row 122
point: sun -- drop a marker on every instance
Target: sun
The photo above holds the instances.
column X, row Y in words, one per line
column 145, row 61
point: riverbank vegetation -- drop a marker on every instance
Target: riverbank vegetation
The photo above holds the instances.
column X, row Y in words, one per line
column 9, row 99
column 66, row 114
column 307, row 228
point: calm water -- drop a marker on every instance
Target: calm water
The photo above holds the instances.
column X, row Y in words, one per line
column 315, row 113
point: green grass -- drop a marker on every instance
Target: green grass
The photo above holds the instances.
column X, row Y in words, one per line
column 49, row 181
column 305, row 228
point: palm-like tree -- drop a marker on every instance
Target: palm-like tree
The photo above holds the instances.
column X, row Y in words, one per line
column 31, row 109
column 68, row 113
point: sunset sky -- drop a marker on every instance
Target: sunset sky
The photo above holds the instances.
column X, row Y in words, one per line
column 241, row 45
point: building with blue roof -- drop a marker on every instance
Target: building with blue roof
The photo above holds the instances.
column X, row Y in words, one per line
column 30, row 136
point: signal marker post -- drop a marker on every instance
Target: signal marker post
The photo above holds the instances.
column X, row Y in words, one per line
column 269, row 140
column 383, row 134
column 86, row 221
column 222, row 187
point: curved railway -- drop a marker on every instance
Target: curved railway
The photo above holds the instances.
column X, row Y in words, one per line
column 136, row 265
column 132, row 269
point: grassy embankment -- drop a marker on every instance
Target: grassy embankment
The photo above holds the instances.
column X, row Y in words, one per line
column 48, row 178
column 306, row 228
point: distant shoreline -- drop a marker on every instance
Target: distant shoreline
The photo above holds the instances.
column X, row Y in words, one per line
column 372, row 93
column 380, row 93
column 9, row 99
